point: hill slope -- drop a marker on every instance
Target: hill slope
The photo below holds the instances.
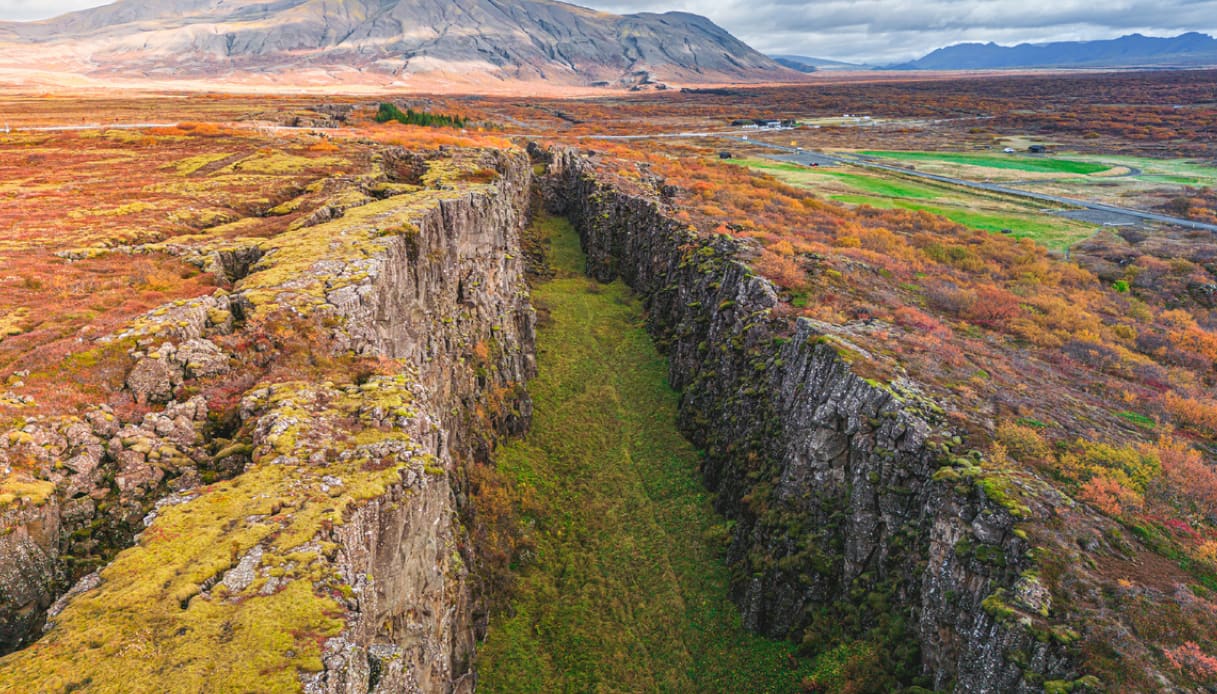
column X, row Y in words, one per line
column 804, row 63
column 1133, row 50
column 527, row 40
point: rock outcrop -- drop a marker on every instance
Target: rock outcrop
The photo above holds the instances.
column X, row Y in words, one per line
column 370, row 474
column 851, row 514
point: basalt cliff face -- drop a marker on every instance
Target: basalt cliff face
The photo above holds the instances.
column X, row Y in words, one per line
column 846, row 520
column 347, row 497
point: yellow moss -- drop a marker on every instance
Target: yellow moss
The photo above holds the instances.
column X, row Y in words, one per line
column 451, row 171
column 386, row 188
column 278, row 163
column 202, row 218
column 285, row 208
column 218, row 316
column 150, row 627
column 19, row 487
column 355, row 235
column 18, row 438
column 129, row 137
column 13, row 322
column 189, row 165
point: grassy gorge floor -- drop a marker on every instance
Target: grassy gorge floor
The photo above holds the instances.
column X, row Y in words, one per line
column 628, row 590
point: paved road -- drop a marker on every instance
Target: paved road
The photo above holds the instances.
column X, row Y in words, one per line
column 810, row 158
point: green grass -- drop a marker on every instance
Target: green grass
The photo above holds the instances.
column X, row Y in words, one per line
column 887, row 187
column 982, row 212
column 795, row 174
column 1004, row 161
column 628, row 591
column 1051, row 232
column 1174, row 180
column 1174, row 171
column 1138, row 419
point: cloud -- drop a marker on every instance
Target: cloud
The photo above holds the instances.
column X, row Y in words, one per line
column 41, row 9
column 883, row 31
column 877, row 31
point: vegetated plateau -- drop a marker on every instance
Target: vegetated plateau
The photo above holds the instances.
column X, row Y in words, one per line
column 294, row 399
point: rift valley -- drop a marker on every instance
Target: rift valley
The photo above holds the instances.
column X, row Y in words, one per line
column 717, row 389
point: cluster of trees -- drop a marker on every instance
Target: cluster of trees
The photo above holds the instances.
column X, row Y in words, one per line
column 390, row 112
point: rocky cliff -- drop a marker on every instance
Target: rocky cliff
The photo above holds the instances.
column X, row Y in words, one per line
column 332, row 543
column 854, row 517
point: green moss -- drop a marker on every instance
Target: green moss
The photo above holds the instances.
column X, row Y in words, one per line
column 996, row 607
column 1067, row 686
column 998, row 489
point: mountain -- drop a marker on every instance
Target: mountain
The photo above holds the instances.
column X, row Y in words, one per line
column 1134, row 50
column 804, row 63
column 507, row 40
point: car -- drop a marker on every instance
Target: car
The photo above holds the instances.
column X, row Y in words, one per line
column 1008, row 150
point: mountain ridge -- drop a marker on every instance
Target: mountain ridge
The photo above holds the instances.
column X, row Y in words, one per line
column 521, row 40
column 798, row 62
column 1133, row 50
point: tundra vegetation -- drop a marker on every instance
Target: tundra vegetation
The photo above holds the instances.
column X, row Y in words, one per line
column 1070, row 358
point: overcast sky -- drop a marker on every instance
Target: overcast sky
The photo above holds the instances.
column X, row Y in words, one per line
column 879, row 31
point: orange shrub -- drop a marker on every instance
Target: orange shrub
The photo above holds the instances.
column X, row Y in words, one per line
column 1110, row 497
column 1199, row 414
column 1186, row 472
column 783, row 270
column 1192, row 661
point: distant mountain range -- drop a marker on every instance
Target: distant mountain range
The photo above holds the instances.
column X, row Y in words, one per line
column 803, row 63
column 1186, row 50
column 460, row 40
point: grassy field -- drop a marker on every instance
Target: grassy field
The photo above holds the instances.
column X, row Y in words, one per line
column 1052, row 232
column 628, row 593
column 1166, row 171
column 1000, row 161
column 986, row 213
column 866, row 183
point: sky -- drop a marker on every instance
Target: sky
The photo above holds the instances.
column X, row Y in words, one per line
column 877, row 31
